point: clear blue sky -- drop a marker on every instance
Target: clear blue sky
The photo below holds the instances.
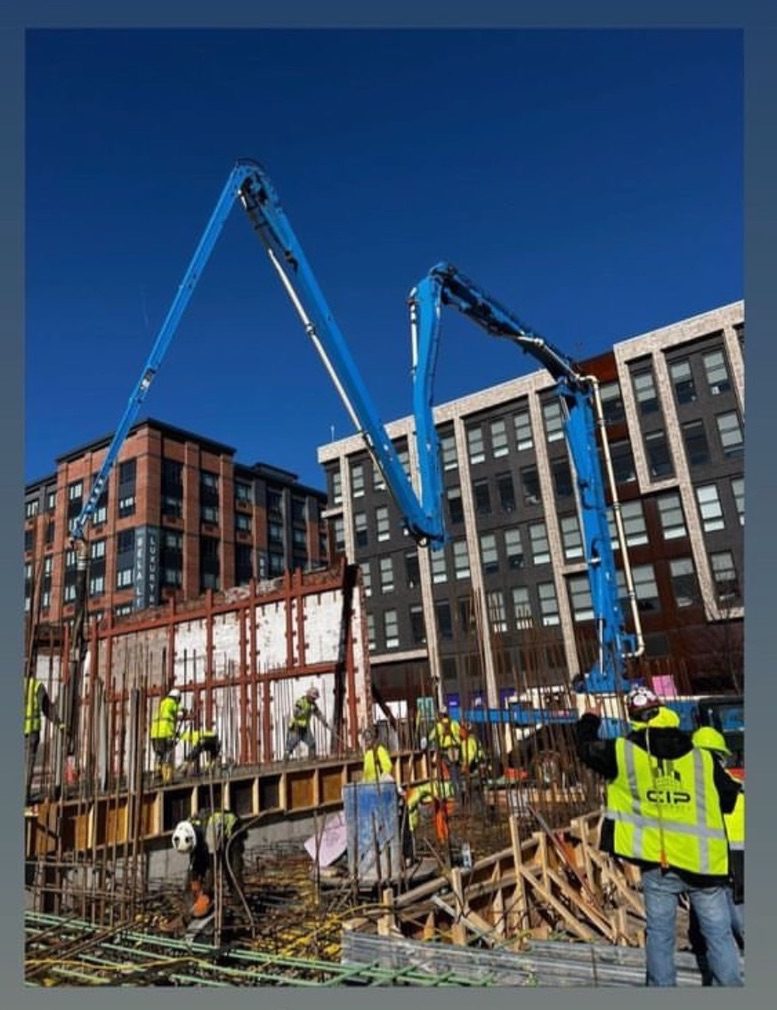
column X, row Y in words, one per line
column 590, row 180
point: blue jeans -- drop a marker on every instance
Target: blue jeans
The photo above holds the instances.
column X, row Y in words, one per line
column 737, row 918
column 661, row 891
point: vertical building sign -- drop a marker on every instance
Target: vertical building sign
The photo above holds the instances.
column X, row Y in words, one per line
column 146, row 579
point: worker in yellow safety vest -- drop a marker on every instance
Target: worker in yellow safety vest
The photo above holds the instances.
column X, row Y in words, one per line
column 445, row 739
column 305, row 709
column 377, row 766
column 201, row 741
column 36, row 705
column 708, row 738
column 165, row 727
column 665, row 803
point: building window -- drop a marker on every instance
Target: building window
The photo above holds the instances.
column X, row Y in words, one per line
column 682, row 380
column 171, row 558
column 562, row 478
column 622, row 462
column 382, row 522
column 658, row 456
column 730, row 432
column 724, row 575
column 337, row 488
column 276, row 563
column 580, row 598
column 244, row 567
column 378, row 480
column 522, row 607
column 172, row 488
column 497, row 613
column 275, row 532
column 738, row 490
column 74, row 495
column 612, row 402
column 538, row 538
column 684, row 587
column 124, row 578
column 439, row 568
column 29, row 540
column 243, row 492
column 670, row 513
column 338, row 529
column 554, row 420
column 50, row 529
column 242, row 522
column 417, row 625
column 208, row 513
column 391, row 629
column 477, row 452
column 299, row 540
column 448, row 450
column 530, row 483
column 31, row 508
column 523, row 433
column 97, row 550
column 209, row 563
column 298, row 511
column 125, row 558
column 366, row 571
column 499, row 444
column 100, row 514
column 460, row 559
column 645, row 588
column 404, row 459
column 51, row 501
column 488, row 553
column 717, row 372
column 455, row 506
column 645, row 391
column 506, row 491
column 482, row 497
column 274, row 501
column 126, row 495
column 442, row 613
column 386, row 568
column 360, row 529
column 548, row 604
column 571, row 537
column 634, row 528
column 697, row 449
column 371, row 632
column 122, row 610
column 412, row 570
column 710, row 508
column 513, row 548
column 357, row 480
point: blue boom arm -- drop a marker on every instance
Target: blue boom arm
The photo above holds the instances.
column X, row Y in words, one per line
column 250, row 184
column 444, row 285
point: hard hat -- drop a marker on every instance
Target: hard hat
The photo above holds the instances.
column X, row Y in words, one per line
column 312, row 692
column 710, row 739
column 640, row 701
column 184, row 837
column 174, row 692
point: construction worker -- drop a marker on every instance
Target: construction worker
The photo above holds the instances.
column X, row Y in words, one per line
column 665, row 802
column 305, row 708
column 36, row 705
column 377, row 765
column 201, row 741
column 473, row 763
column 209, row 834
column 165, row 727
column 712, row 740
column 445, row 738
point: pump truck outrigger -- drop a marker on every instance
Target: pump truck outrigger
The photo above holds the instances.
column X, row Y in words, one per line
column 422, row 511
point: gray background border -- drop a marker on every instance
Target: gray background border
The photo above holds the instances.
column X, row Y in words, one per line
column 761, row 355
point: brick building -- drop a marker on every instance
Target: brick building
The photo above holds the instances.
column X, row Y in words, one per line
column 513, row 570
column 179, row 516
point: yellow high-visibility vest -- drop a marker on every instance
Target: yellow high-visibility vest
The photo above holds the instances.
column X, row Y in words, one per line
column 377, row 761
column 32, row 707
column 667, row 810
column 735, row 824
column 303, row 713
column 164, row 725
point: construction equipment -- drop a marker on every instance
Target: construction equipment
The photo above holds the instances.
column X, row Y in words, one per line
column 582, row 415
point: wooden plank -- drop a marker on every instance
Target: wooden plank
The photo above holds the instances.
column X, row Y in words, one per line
column 575, row 926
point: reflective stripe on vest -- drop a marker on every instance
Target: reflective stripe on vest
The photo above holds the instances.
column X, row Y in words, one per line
column 164, row 725
column 376, row 761
column 449, row 738
column 735, row 824
column 32, row 707
column 668, row 808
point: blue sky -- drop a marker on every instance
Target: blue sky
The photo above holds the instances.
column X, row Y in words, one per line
column 590, row 180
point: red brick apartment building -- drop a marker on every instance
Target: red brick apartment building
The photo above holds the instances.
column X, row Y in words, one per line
column 179, row 516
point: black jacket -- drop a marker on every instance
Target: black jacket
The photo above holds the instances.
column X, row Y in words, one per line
column 599, row 755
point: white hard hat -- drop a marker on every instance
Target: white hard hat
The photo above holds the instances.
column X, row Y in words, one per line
column 184, row 837
column 174, row 692
column 312, row 692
